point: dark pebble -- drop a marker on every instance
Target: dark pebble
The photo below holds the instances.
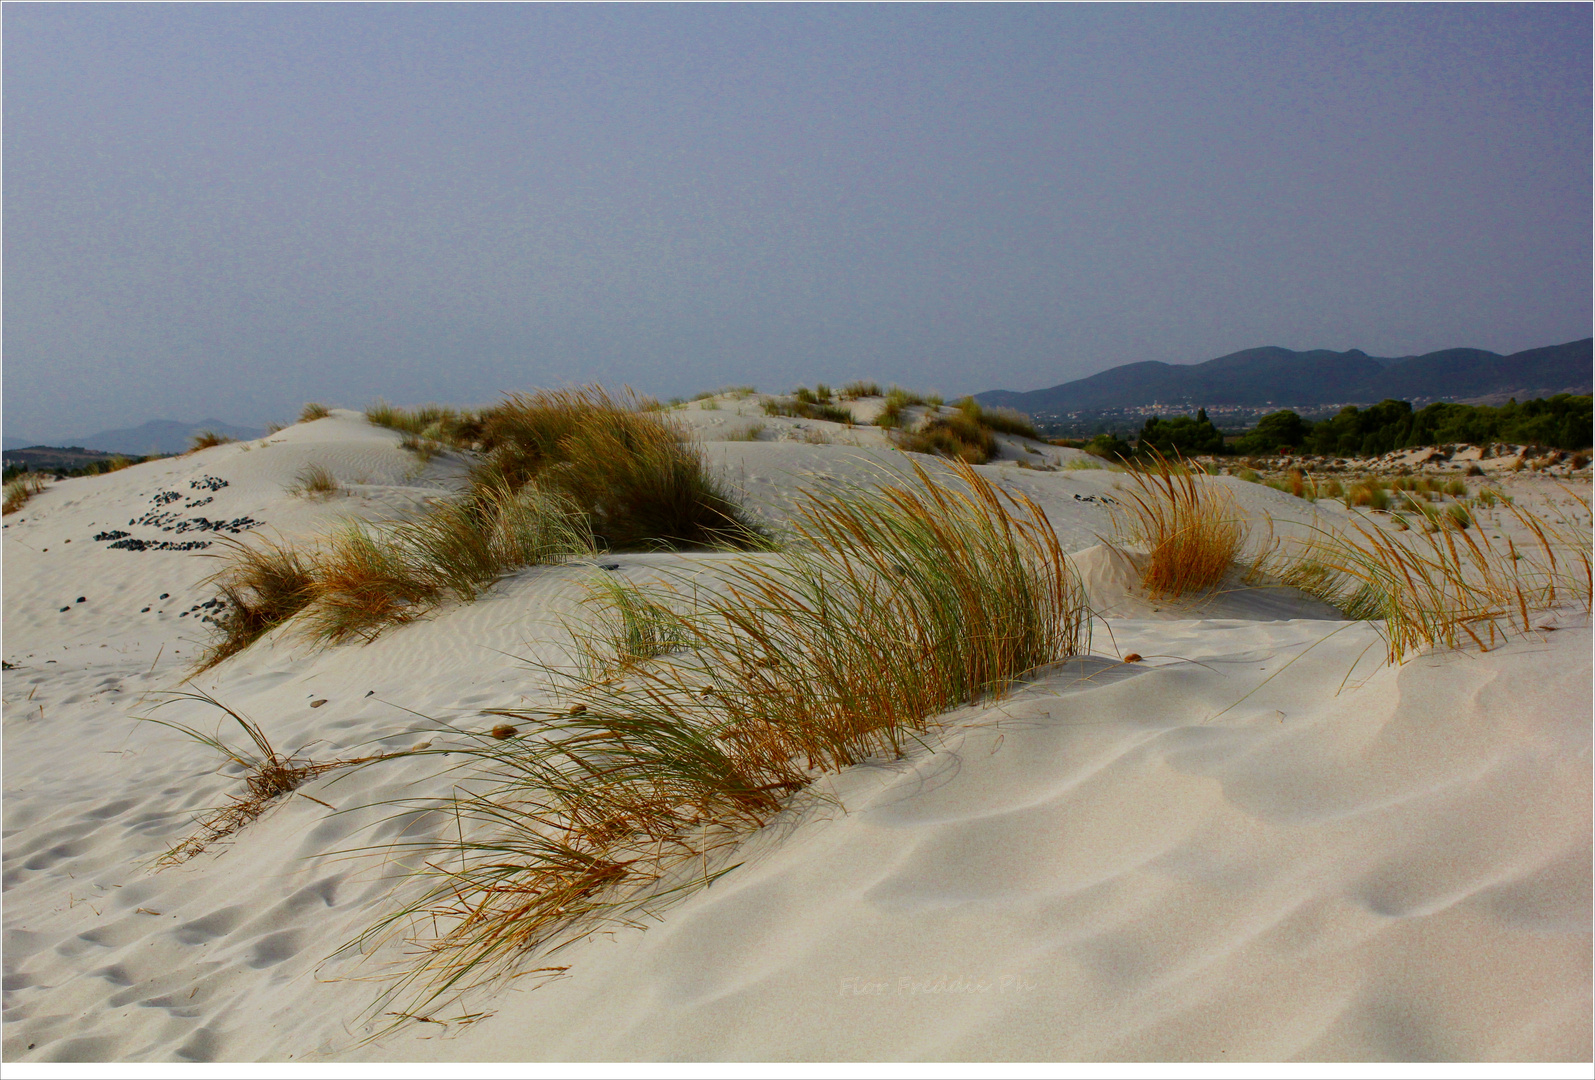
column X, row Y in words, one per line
column 163, row 596
column 81, row 599
column 143, row 610
column 318, row 703
column 370, row 692
column 67, row 608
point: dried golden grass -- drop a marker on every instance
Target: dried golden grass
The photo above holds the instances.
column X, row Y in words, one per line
column 892, row 608
column 263, row 584
column 204, row 440
column 1191, row 526
column 313, row 410
column 1447, row 585
column 22, row 488
column 268, row 775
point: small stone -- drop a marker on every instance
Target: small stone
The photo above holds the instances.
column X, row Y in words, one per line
column 318, row 703
column 575, row 710
column 504, row 731
column 67, row 608
column 81, row 599
column 142, row 610
column 163, row 596
column 1132, row 658
column 370, row 692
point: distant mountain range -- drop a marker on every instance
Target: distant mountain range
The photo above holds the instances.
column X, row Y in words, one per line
column 1274, row 376
column 155, row 437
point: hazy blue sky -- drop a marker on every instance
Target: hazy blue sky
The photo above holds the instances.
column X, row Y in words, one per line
column 227, row 210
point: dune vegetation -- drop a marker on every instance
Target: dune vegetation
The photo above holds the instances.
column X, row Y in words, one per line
column 692, row 721
column 554, row 475
column 204, row 440
column 1191, row 527
column 1447, row 585
column 21, row 489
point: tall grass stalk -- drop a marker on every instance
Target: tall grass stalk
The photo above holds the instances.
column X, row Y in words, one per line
column 1190, row 525
column 892, row 608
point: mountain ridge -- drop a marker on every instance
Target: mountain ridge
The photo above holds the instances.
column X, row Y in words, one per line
column 1272, row 375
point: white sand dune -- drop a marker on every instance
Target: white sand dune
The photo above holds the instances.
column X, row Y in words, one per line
column 1257, row 843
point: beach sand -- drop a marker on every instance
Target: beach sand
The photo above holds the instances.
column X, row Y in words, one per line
column 1258, row 842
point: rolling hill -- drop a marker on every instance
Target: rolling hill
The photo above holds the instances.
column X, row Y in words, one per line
column 1275, row 376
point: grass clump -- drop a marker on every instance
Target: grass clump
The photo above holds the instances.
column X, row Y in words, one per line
column 560, row 472
column 1443, row 587
column 313, row 410
column 1190, row 525
column 750, row 433
column 1001, row 420
column 894, row 413
column 313, row 482
column 21, row 489
column 638, row 626
column 638, row 477
column 263, row 585
column 893, row 608
column 806, row 404
column 968, row 433
column 367, row 578
column 204, row 440
column 1370, row 493
column 955, row 435
column 859, row 388
column 436, row 425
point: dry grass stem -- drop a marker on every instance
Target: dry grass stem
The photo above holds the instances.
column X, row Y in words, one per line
column 268, row 775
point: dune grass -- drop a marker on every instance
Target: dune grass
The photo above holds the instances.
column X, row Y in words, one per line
column 891, row 608
column 558, row 474
column 955, row 435
column 268, row 775
column 748, row 433
column 263, row 584
column 315, row 482
column 638, row 476
column 313, row 410
column 21, row 489
column 859, row 388
column 367, row 578
column 1190, row 525
column 1445, row 586
column 894, row 413
column 968, row 433
column 204, row 440
column 806, row 404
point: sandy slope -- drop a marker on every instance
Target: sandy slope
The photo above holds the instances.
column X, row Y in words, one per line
column 1257, row 843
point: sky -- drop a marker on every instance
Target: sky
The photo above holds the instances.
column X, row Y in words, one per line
column 228, row 210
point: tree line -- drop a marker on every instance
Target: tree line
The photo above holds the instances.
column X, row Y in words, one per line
column 1561, row 422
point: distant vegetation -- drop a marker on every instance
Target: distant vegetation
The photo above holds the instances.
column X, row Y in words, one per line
column 1561, row 422
column 68, row 462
